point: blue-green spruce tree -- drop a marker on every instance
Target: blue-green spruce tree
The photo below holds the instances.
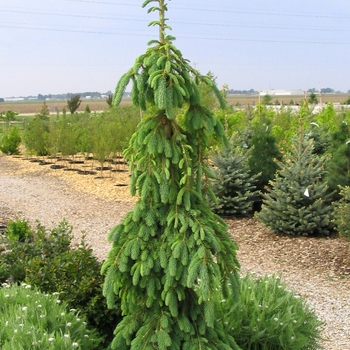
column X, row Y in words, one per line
column 297, row 202
column 171, row 255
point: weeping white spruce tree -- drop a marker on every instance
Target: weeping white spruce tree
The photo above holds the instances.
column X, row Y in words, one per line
column 171, row 256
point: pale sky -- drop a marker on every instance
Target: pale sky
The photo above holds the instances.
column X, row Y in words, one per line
column 61, row 46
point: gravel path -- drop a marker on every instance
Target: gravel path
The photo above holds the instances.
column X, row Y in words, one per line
column 50, row 199
column 36, row 195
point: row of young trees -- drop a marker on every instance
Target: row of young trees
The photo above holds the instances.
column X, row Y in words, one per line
column 101, row 134
column 260, row 136
column 261, row 142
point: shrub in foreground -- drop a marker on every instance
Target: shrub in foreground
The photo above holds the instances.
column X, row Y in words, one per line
column 270, row 317
column 46, row 259
column 30, row 319
column 19, row 231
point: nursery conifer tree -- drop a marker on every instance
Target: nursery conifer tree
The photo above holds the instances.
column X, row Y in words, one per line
column 297, row 202
column 233, row 186
column 74, row 103
column 264, row 152
column 171, row 255
column 264, row 149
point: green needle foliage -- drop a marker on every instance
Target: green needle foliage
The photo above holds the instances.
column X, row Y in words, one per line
column 171, row 255
column 342, row 212
column 268, row 316
column 31, row 319
column 338, row 166
column 298, row 203
column 264, row 151
column 74, row 103
column 234, row 186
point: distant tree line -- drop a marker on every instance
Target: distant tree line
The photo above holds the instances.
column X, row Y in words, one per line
column 327, row 90
column 242, row 92
column 69, row 95
column 323, row 90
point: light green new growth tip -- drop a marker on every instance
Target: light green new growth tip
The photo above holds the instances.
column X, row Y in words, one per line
column 161, row 77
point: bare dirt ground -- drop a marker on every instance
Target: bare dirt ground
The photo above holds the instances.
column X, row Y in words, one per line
column 317, row 268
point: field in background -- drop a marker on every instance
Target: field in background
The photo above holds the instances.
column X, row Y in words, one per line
column 34, row 107
column 251, row 100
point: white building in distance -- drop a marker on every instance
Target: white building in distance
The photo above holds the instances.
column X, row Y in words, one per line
column 13, row 99
column 273, row 92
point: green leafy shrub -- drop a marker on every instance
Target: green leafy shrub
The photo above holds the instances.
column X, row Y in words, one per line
column 284, row 126
column 341, row 216
column 10, row 116
column 327, row 117
column 338, row 167
column 36, row 137
column 68, row 136
column 270, row 317
column 46, row 260
column 30, row 244
column 233, row 186
column 19, row 230
column 10, row 141
column 30, row 319
column 20, row 245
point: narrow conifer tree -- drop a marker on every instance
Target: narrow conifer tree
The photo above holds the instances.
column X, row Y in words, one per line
column 171, row 255
column 297, row 202
column 264, row 152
